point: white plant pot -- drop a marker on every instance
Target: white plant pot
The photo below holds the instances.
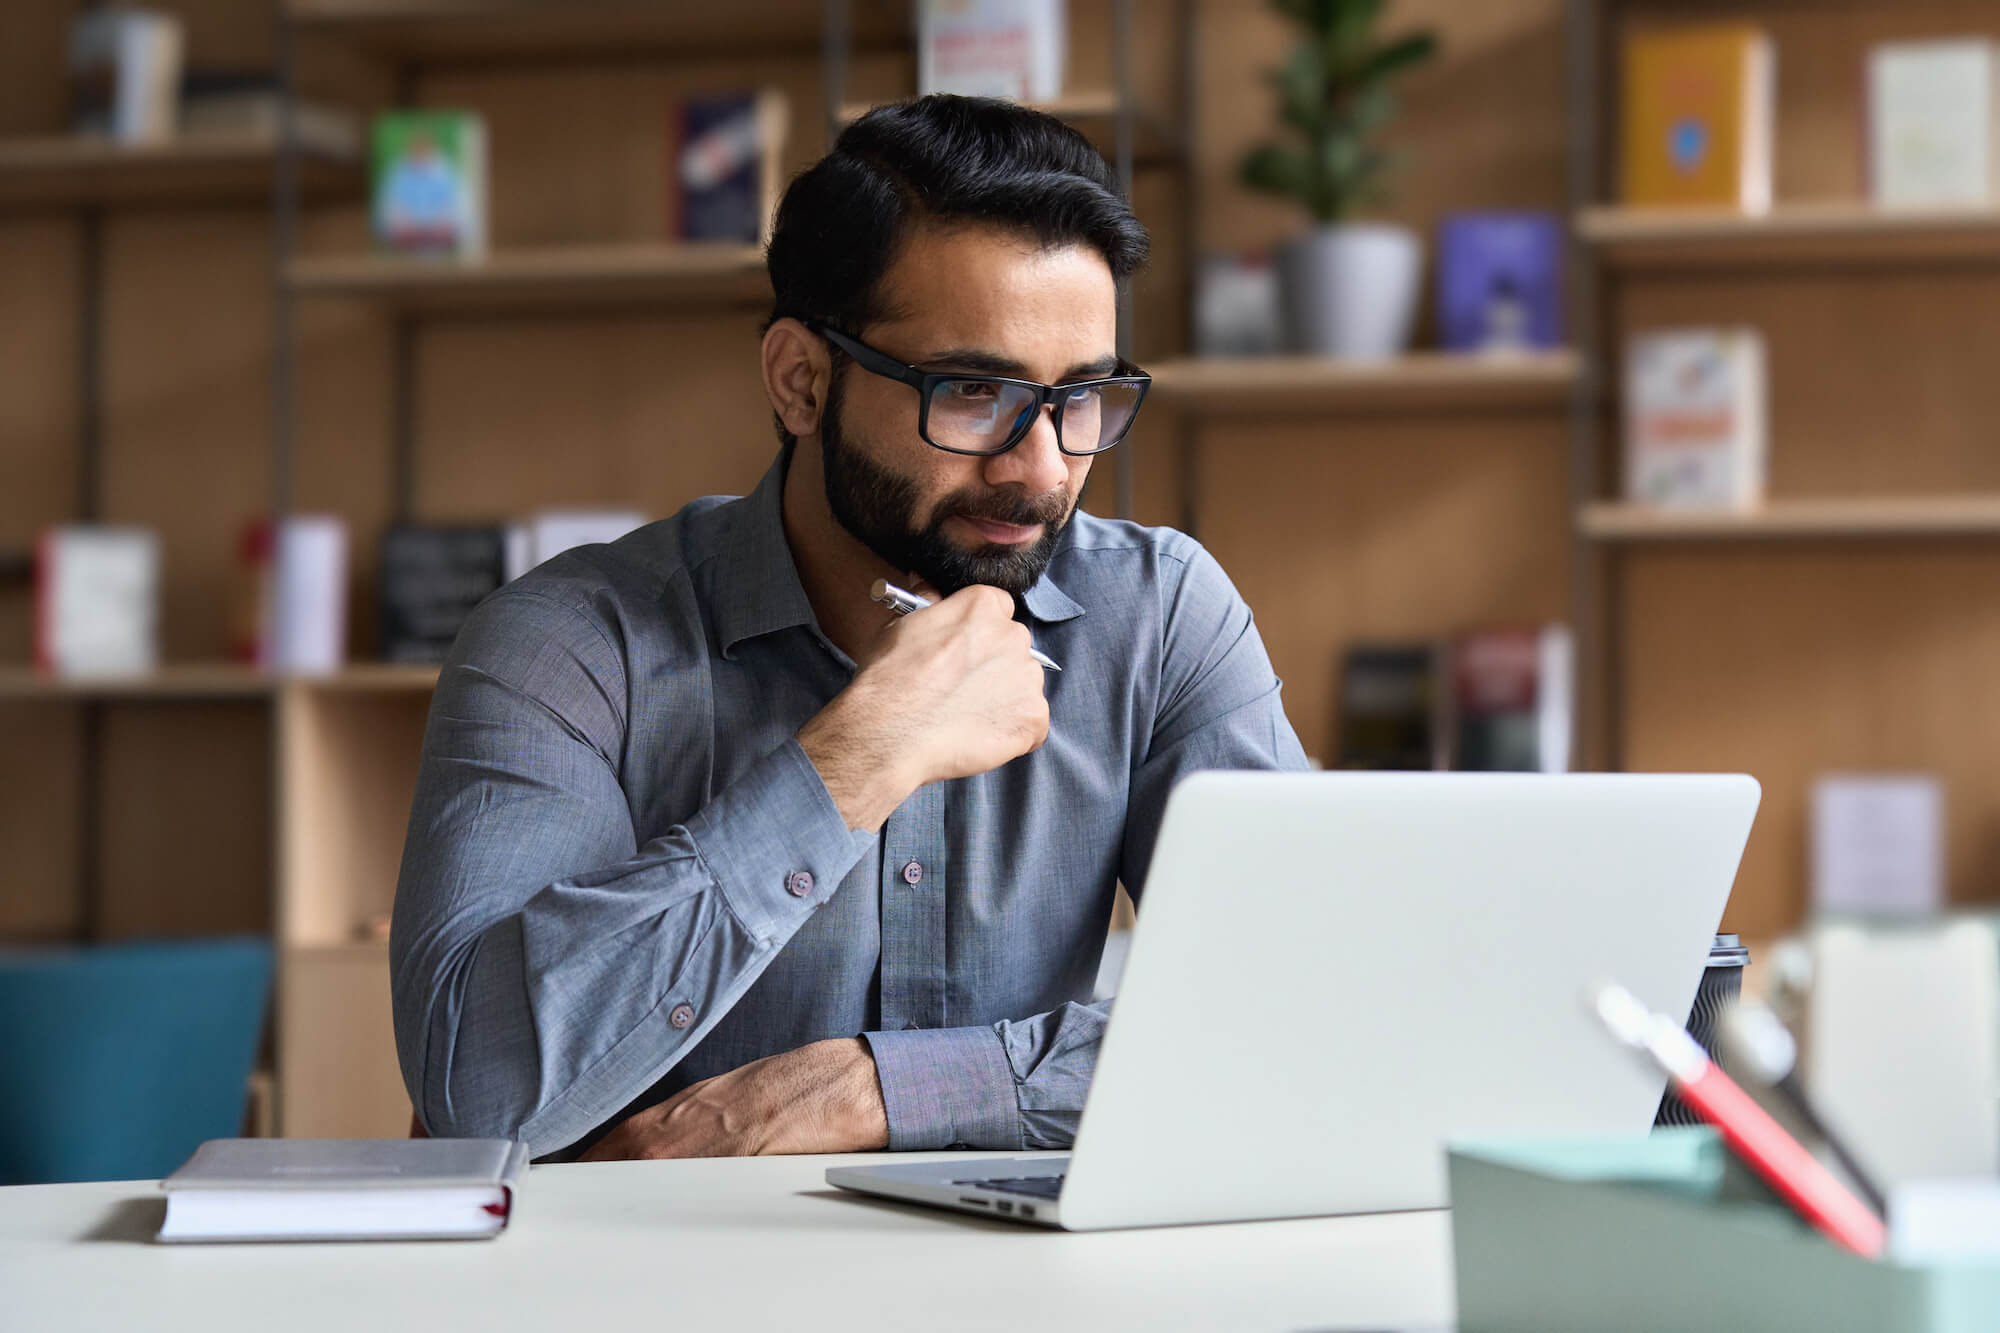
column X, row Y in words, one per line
column 1350, row 291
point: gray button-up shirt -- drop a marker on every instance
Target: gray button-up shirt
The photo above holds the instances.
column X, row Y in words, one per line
column 623, row 875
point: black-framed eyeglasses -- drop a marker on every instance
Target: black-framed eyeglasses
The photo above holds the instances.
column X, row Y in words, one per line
column 982, row 415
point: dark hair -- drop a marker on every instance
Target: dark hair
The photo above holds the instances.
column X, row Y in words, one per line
column 937, row 159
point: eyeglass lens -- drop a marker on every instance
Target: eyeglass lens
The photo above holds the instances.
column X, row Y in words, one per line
column 980, row 416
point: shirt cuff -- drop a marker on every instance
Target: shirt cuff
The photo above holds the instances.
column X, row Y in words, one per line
column 776, row 843
column 946, row 1088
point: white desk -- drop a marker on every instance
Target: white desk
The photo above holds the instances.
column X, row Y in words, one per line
column 625, row 1247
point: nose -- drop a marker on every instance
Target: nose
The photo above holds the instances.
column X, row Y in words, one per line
column 1035, row 464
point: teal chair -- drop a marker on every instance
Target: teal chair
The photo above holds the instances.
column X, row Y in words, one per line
column 120, row 1059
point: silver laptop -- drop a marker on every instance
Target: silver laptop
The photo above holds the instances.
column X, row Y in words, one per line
column 1336, row 973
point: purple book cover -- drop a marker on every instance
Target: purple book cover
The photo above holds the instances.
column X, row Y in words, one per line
column 1499, row 281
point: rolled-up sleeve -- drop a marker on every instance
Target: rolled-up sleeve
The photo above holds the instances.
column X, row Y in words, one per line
column 546, row 967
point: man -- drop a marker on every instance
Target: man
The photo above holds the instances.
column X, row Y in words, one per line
column 710, row 853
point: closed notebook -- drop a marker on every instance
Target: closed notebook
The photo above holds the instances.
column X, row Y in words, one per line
column 1698, row 107
column 343, row 1189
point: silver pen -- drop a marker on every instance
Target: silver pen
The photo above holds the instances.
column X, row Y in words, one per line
column 903, row 602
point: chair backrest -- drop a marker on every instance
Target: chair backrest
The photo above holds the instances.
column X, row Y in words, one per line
column 121, row 1059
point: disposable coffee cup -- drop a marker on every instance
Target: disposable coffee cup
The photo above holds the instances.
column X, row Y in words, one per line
column 1721, row 983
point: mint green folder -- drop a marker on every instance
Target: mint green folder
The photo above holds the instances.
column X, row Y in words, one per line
column 1667, row 1232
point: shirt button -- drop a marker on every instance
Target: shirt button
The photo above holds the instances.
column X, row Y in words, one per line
column 681, row 1016
column 800, row 882
column 913, row 873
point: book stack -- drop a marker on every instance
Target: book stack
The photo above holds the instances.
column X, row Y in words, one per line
column 1496, row 699
column 725, row 165
column 1934, row 122
column 97, row 600
column 125, row 73
column 1695, row 418
column 1697, row 117
column 428, row 179
column 992, row 48
column 1499, row 282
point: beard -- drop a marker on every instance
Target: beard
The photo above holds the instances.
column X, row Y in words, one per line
column 879, row 508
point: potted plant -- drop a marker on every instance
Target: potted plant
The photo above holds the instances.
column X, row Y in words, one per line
column 1348, row 289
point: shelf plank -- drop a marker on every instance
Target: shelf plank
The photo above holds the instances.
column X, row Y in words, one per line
column 551, row 278
column 1838, row 519
column 1094, row 114
column 373, row 678
column 495, row 31
column 1833, row 232
column 59, row 171
column 192, row 681
column 217, row 680
column 1418, row 382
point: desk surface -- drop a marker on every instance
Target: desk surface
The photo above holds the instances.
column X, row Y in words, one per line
column 729, row 1243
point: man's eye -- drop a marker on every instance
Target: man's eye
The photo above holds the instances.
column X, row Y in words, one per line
column 1082, row 395
column 972, row 391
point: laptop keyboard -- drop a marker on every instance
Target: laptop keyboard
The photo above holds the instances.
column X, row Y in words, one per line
column 1040, row 1187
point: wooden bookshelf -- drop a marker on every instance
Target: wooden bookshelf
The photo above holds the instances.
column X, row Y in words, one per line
column 550, row 278
column 493, row 31
column 1837, row 519
column 1834, row 232
column 1419, row 382
column 60, row 171
column 1095, row 114
column 334, row 1016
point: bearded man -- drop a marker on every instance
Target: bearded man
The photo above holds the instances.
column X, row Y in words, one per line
column 711, row 854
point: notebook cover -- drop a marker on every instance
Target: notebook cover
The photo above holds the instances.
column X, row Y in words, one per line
column 321, row 1164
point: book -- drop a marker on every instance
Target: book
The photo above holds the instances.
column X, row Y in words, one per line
column 343, row 1189
column 550, row 532
column 992, row 48
column 1389, row 707
column 1695, row 418
column 125, row 73
column 295, row 616
column 97, row 600
column 432, row 577
column 1878, row 844
column 222, row 104
column 1499, row 282
column 1512, row 699
column 428, row 183
column 1932, row 113
column 725, row 156
column 1236, row 306
column 1697, row 111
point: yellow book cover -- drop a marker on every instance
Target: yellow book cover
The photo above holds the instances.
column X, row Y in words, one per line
column 1697, row 117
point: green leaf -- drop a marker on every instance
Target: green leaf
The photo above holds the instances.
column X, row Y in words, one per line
column 1277, row 169
column 1397, row 57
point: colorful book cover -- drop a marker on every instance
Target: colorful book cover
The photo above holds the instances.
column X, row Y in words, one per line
column 1499, row 285
column 432, row 577
column 1698, row 107
column 1695, row 429
column 1932, row 121
column 1389, row 707
column 725, row 166
column 1511, row 699
column 428, row 173
column 992, row 48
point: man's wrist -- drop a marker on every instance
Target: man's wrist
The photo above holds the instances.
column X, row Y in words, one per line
column 858, row 760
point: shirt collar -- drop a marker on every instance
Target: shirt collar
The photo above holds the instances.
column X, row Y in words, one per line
column 759, row 591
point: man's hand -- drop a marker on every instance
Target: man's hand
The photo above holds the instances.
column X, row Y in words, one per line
column 825, row 1097
column 949, row 692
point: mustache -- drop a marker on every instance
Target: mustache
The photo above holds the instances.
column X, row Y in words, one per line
column 1015, row 507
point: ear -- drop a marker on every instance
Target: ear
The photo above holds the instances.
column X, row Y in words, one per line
column 797, row 373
